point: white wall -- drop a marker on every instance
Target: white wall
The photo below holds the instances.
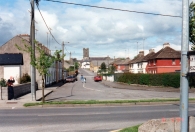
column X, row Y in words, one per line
column 84, row 66
column 134, row 69
column 14, row 71
column 110, row 78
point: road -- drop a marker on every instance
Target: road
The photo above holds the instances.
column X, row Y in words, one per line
column 89, row 119
column 83, row 119
column 98, row 91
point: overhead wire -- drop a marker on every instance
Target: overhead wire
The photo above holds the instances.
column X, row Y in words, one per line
column 113, row 8
column 48, row 27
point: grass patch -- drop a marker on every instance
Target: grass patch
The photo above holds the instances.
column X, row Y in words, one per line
column 130, row 129
column 101, row 102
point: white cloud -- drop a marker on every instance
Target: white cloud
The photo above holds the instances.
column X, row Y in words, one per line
column 105, row 32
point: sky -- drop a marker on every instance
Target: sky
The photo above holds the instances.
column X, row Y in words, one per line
column 105, row 32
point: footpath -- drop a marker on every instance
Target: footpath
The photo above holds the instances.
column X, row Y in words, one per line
column 19, row 102
column 121, row 85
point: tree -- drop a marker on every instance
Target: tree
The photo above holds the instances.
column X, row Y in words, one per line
column 112, row 69
column 192, row 24
column 76, row 64
column 103, row 67
column 42, row 62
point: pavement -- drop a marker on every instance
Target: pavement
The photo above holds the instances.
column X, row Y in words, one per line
column 19, row 102
column 121, row 85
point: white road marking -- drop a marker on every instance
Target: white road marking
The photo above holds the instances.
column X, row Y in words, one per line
column 91, row 88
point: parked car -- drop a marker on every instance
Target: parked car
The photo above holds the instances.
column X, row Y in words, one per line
column 71, row 78
column 98, row 78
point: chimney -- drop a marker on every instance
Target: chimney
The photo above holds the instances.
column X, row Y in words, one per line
column 166, row 45
column 151, row 50
column 141, row 53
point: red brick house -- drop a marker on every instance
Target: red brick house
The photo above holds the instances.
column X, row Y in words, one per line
column 164, row 61
column 122, row 65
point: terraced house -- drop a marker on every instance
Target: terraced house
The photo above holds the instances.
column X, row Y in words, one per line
column 164, row 61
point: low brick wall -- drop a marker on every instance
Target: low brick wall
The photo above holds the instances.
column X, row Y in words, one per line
column 19, row 90
column 22, row 89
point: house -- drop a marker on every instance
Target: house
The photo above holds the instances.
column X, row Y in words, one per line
column 165, row 60
column 136, row 64
column 95, row 62
column 121, row 64
column 9, row 47
column 85, row 64
column 11, row 65
column 142, row 62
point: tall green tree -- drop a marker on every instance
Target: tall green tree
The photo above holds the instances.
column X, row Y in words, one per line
column 42, row 62
column 112, row 69
column 192, row 24
column 103, row 67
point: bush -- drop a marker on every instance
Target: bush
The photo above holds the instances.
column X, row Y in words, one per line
column 3, row 82
column 25, row 78
column 164, row 79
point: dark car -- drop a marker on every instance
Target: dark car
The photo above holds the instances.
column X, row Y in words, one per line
column 71, row 78
column 98, row 78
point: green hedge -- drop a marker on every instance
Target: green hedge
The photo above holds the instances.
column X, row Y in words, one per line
column 165, row 79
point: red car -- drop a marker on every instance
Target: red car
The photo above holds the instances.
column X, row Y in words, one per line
column 98, row 78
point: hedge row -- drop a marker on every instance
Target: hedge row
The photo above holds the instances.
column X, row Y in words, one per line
column 165, row 79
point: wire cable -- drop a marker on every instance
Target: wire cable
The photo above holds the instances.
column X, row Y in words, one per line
column 47, row 25
column 114, row 9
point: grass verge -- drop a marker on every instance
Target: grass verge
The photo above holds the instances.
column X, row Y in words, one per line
column 102, row 102
column 130, row 129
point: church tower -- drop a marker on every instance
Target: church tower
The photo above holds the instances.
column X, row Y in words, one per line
column 85, row 53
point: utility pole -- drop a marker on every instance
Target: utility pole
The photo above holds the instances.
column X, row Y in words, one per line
column 32, row 40
column 63, row 60
column 184, row 84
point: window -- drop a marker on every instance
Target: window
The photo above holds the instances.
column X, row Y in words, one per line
column 154, row 62
column 173, row 61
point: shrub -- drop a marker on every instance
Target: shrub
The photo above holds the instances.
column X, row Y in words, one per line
column 163, row 79
column 25, row 78
column 3, row 82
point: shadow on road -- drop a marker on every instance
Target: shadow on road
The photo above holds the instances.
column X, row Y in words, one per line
column 59, row 98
